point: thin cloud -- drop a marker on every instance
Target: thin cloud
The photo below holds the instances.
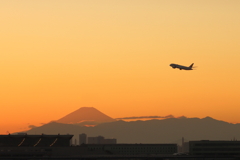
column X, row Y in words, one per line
column 147, row 117
column 32, row 126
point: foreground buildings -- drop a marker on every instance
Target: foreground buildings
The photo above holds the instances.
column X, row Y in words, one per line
column 24, row 140
column 54, row 146
column 60, row 145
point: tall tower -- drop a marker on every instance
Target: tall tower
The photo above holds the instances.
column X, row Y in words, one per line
column 182, row 144
column 82, row 138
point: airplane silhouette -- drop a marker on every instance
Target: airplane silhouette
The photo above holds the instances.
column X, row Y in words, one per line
column 181, row 67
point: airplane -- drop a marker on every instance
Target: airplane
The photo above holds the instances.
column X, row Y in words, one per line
column 181, row 67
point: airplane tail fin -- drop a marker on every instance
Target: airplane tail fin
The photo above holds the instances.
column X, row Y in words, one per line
column 191, row 65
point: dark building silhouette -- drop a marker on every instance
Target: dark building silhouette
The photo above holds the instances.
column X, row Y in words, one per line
column 133, row 149
column 214, row 148
column 82, row 139
column 101, row 140
column 184, row 147
column 24, row 145
column 110, row 141
column 24, row 140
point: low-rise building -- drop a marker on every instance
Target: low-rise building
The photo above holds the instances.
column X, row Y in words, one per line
column 101, row 140
column 214, row 148
column 133, row 149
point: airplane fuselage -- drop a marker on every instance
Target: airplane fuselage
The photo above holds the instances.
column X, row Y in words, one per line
column 173, row 65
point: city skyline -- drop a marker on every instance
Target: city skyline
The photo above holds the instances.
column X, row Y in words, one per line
column 57, row 56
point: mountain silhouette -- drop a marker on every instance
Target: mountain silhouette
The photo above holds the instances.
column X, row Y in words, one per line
column 169, row 130
column 85, row 116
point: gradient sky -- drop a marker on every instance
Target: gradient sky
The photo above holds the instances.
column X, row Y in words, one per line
column 59, row 55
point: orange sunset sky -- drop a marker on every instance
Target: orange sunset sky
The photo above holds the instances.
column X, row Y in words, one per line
column 59, row 55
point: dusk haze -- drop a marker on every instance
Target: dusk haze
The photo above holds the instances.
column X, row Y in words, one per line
column 114, row 56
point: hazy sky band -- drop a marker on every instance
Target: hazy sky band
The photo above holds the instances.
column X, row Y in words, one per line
column 57, row 56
